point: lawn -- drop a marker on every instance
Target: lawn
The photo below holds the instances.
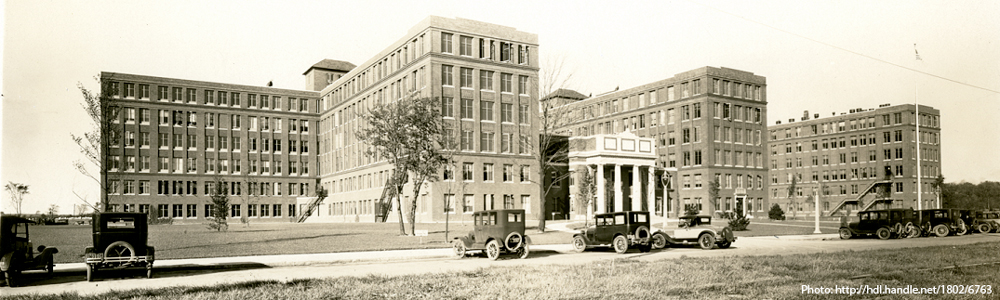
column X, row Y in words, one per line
column 751, row 277
column 196, row 241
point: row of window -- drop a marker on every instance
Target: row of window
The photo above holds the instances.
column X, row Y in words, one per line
column 212, row 120
column 854, row 141
column 406, row 54
column 488, row 203
column 827, row 190
column 725, row 181
column 486, row 110
column 190, row 188
column 210, row 142
column 486, row 49
column 738, row 158
column 212, row 165
column 406, row 85
column 887, row 154
column 510, row 173
column 858, row 173
column 851, row 125
column 487, row 141
column 191, row 210
column 651, row 97
column 486, row 80
column 725, row 204
column 128, row 90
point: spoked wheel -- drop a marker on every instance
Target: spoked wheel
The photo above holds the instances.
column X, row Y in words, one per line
column 579, row 244
column 120, row 249
column 458, row 248
column 493, row 250
column 706, row 241
column 845, row 233
column 621, row 244
column 659, row 240
column 984, row 228
column 883, row 233
column 962, row 229
column 522, row 252
column 912, row 231
column 941, row 230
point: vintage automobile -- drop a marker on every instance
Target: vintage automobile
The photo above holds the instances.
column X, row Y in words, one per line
column 884, row 224
column 16, row 248
column 621, row 230
column 119, row 243
column 495, row 232
column 695, row 230
column 941, row 222
column 987, row 221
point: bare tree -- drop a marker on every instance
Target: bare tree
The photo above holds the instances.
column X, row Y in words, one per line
column 408, row 135
column 219, row 198
column 17, row 192
column 791, row 195
column 552, row 151
column 251, row 197
column 95, row 145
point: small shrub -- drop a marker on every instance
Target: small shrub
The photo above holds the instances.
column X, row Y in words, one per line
column 776, row 213
column 737, row 222
column 691, row 210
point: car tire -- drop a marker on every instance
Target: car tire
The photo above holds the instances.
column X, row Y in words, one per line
column 458, row 248
column 912, row 231
column 523, row 251
column 883, row 233
column 845, row 233
column 659, row 240
column 941, row 230
column 520, row 241
column 149, row 272
column 725, row 245
column 579, row 244
column 642, row 232
column 120, row 249
column 492, row 250
column 962, row 228
column 984, row 228
column 897, row 231
column 706, row 241
column 621, row 244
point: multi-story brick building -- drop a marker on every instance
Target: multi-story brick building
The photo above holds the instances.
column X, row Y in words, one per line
column 840, row 156
column 183, row 136
column 708, row 123
column 484, row 75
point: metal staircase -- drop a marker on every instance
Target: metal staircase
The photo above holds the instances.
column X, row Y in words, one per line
column 389, row 192
column 309, row 209
column 859, row 201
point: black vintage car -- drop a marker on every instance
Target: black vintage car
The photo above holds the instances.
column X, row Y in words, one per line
column 884, row 224
column 495, row 232
column 987, row 221
column 119, row 243
column 941, row 222
column 17, row 251
column 621, row 230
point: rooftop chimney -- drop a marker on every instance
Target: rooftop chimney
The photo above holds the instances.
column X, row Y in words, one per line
column 805, row 115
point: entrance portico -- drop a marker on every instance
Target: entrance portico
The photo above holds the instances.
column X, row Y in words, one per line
column 622, row 170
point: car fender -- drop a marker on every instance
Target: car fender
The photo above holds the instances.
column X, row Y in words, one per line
column 584, row 236
column 46, row 255
column 5, row 262
column 670, row 240
column 527, row 240
column 465, row 241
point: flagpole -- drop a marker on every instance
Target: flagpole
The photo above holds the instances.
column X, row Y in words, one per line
column 916, row 107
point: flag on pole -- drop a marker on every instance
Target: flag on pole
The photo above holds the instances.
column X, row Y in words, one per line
column 916, row 52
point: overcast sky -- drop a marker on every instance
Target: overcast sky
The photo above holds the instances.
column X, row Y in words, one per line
column 821, row 56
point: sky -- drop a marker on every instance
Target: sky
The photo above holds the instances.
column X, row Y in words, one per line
column 820, row 56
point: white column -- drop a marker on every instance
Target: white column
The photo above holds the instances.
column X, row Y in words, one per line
column 636, row 189
column 651, row 189
column 600, row 189
column 618, row 201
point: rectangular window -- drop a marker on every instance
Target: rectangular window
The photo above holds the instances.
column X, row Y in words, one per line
column 447, row 107
column 465, row 48
column 522, row 85
column 446, row 76
column 466, row 108
column 506, row 83
column 488, row 172
column 486, row 110
column 467, row 171
column 486, row 141
column 522, row 114
column 485, row 80
column 466, row 77
column 446, row 42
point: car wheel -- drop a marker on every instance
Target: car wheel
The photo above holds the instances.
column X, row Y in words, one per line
column 912, row 231
column 523, row 252
column 706, row 241
column 149, row 272
column 962, row 229
column 725, row 245
column 458, row 248
column 897, row 230
column 984, row 228
column 90, row 272
column 513, row 241
column 493, row 250
column 579, row 244
column 621, row 244
column 941, row 230
column 845, row 233
column 120, row 249
column 883, row 233
column 659, row 240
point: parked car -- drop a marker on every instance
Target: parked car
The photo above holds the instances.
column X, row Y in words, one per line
column 987, row 221
column 120, row 242
column 495, row 232
column 18, row 253
column 695, row 230
column 621, row 230
column 884, row 224
column 941, row 222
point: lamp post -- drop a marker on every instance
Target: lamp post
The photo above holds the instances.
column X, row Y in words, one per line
column 816, row 198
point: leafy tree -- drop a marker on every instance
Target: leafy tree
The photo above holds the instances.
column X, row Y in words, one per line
column 691, row 210
column 16, row 192
column 791, row 195
column 713, row 194
column 95, row 145
column 407, row 134
column 776, row 213
column 219, row 198
column 587, row 192
column 737, row 221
